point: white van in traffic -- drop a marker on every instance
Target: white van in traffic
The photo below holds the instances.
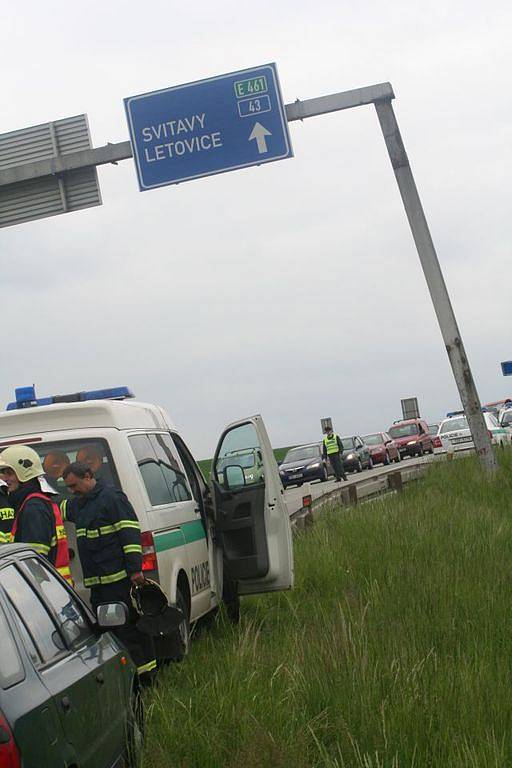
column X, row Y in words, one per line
column 202, row 543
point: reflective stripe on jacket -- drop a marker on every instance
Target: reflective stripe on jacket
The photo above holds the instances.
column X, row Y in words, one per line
column 6, row 520
column 331, row 444
column 58, row 542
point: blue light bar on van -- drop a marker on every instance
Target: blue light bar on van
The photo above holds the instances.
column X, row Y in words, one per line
column 26, row 397
column 454, row 413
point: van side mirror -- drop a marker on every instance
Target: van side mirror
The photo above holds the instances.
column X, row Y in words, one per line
column 233, row 476
column 112, row 615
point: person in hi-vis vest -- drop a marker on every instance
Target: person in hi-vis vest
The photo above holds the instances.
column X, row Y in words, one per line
column 332, row 450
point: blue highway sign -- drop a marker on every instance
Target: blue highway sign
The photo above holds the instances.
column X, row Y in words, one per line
column 506, row 368
column 210, row 126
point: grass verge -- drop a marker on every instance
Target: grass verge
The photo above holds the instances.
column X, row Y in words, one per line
column 393, row 651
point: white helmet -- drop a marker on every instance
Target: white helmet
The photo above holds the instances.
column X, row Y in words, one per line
column 23, row 460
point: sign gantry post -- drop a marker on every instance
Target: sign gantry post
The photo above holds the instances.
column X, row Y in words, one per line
column 436, row 285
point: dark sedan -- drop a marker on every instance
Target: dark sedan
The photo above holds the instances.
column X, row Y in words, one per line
column 356, row 454
column 66, row 686
column 382, row 447
column 304, row 464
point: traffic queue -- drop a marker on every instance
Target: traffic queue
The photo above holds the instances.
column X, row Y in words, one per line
column 336, row 455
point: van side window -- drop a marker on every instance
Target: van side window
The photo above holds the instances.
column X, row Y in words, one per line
column 187, row 462
column 150, row 469
column 175, row 478
column 164, row 481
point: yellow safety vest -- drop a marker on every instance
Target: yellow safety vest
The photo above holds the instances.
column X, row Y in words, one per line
column 331, row 444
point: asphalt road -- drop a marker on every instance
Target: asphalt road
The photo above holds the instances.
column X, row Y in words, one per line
column 294, row 495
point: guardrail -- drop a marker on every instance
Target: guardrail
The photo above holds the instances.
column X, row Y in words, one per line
column 351, row 494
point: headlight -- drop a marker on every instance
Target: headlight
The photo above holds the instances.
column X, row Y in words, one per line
column 412, row 442
column 316, row 465
column 351, row 456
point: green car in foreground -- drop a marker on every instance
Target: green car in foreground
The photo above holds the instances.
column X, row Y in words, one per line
column 67, row 686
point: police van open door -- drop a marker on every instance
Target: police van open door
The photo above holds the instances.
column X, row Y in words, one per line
column 252, row 522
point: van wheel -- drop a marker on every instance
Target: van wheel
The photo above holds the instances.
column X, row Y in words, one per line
column 181, row 636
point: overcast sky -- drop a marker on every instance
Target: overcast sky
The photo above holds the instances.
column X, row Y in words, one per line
column 293, row 289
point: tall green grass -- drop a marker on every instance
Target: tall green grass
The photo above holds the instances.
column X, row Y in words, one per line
column 394, row 650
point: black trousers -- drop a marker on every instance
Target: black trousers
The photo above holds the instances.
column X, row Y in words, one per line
column 140, row 646
column 337, row 465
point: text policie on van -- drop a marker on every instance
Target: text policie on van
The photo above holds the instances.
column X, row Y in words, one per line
column 176, row 147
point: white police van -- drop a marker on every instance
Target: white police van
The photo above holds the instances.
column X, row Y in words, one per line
column 200, row 541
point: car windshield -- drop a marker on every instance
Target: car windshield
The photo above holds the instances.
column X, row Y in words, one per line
column 302, row 453
column 348, row 443
column 373, row 439
column 449, row 426
column 244, row 460
column 403, row 430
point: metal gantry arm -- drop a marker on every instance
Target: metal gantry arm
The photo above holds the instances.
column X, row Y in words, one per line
column 381, row 96
column 113, row 153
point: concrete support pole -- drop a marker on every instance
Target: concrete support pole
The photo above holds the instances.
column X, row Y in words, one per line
column 436, row 285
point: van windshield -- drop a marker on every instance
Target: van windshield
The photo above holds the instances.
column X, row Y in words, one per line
column 56, row 456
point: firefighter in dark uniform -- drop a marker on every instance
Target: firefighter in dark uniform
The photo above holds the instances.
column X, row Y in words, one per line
column 37, row 520
column 332, row 450
column 109, row 546
column 6, row 514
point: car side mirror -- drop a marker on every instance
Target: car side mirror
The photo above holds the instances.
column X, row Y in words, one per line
column 233, row 477
column 112, row 615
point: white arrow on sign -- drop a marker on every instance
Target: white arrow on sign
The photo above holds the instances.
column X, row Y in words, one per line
column 259, row 132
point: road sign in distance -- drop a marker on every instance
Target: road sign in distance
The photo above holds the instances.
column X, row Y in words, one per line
column 326, row 424
column 209, row 126
column 410, row 408
column 506, row 368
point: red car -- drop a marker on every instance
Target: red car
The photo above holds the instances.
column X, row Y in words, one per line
column 412, row 437
column 383, row 448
